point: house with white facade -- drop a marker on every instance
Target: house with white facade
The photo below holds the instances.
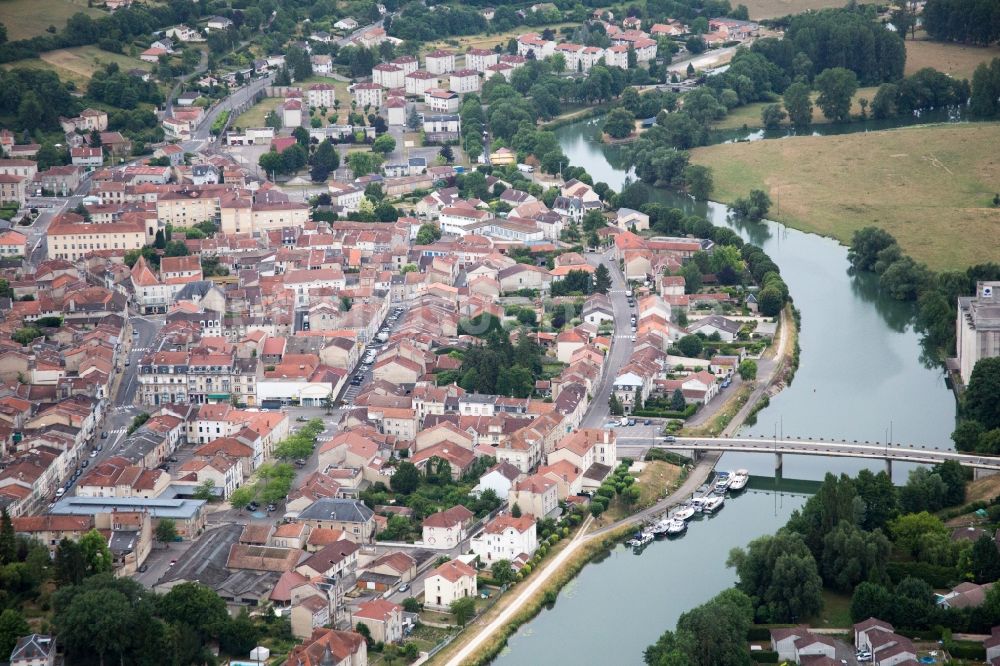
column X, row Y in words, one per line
column 446, row 529
column 449, row 582
column 440, row 62
column 506, row 538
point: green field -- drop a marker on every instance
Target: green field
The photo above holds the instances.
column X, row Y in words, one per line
column 749, row 115
column 931, row 186
column 78, row 64
column 29, row 18
column 254, row 116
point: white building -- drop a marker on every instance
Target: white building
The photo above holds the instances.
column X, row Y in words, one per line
column 480, row 59
column 464, row 81
column 978, row 327
column 395, row 111
column 449, row 582
column 388, row 76
column 291, row 113
column 368, row 94
column 446, row 529
column 419, row 82
column 443, row 101
column 506, row 538
column 408, row 64
column 440, row 62
column 321, row 95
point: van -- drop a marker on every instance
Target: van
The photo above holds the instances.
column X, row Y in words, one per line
column 525, row 168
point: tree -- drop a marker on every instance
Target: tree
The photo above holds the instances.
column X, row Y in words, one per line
column 69, row 563
column 753, row 207
column 870, row 600
column 867, row 245
column 8, row 542
column 413, row 119
column 772, row 116
column 851, row 555
column 980, row 403
column 515, row 510
column 12, row 627
column 602, row 279
column 713, row 634
column 748, row 369
column 405, row 479
column 412, row 605
column 780, row 575
column 908, row 530
column 241, row 497
column 195, row 605
column 619, row 123
column 836, row 86
column 677, row 401
column 95, row 551
column 384, row 144
column 985, row 560
column 698, row 181
column 690, row 346
column 272, row 120
column 239, row 635
column 204, row 490
column 502, row 572
column 463, row 609
column 362, row 163
column 324, row 161
column 925, row 490
column 953, row 475
column 96, row 620
column 447, row 154
column 428, row 233
column 166, row 531
column 798, row 104
column 879, row 499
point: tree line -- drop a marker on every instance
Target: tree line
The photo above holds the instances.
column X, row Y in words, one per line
column 966, row 21
column 874, row 250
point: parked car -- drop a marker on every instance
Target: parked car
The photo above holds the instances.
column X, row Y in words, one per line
column 84, row 463
column 253, row 506
column 172, row 459
column 272, row 507
column 300, row 463
column 93, row 454
column 403, row 588
column 647, row 422
column 144, row 568
column 631, row 422
column 104, row 435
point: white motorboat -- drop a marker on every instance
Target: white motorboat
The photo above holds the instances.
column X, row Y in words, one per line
column 659, row 528
column 676, row 526
column 683, row 512
column 722, row 482
column 713, row 504
column 738, row 480
column 697, row 504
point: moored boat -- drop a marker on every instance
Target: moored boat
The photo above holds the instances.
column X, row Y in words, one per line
column 713, row 504
column 738, row 480
column 676, row 526
column 684, row 512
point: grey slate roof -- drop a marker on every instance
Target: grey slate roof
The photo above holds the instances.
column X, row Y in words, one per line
column 341, row 510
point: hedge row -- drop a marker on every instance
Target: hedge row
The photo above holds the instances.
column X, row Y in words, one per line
column 765, row 657
column 667, row 413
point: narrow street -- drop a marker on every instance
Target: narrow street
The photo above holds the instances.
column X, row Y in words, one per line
column 621, row 345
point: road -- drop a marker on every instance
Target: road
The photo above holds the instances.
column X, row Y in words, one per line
column 621, row 345
column 344, row 41
column 703, row 60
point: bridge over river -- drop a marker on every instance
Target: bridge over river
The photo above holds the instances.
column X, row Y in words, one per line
column 778, row 447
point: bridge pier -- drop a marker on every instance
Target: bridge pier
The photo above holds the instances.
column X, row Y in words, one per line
column 888, row 468
column 778, row 460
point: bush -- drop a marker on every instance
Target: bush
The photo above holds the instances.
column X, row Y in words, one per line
column 667, row 413
column 765, row 656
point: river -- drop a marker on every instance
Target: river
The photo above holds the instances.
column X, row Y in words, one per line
column 860, row 377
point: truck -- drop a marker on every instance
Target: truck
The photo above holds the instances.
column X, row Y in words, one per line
column 525, row 168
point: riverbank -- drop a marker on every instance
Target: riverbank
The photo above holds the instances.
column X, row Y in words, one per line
column 929, row 186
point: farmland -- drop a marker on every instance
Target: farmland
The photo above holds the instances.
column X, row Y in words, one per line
column 930, row 186
column 29, row 18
